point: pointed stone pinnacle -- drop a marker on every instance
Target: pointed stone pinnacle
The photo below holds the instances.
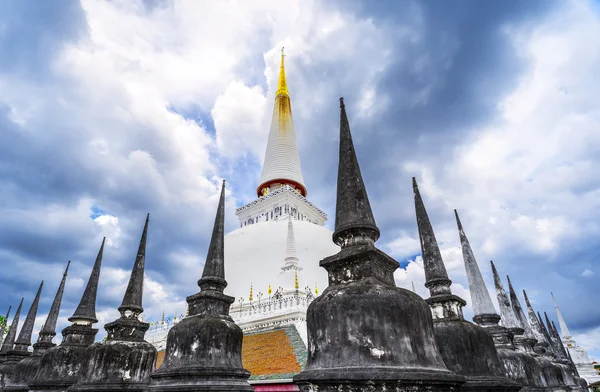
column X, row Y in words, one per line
column 213, row 276
column 508, row 315
column 561, row 320
column 49, row 327
column 3, row 324
column 436, row 277
column 24, row 339
column 518, row 310
column 86, row 310
column 536, row 328
column 9, row 341
column 413, row 287
column 480, row 296
column 132, row 300
column 548, row 324
column 354, row 221
column 541, row 321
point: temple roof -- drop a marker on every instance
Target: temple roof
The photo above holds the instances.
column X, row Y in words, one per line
column 282, row 162
column 276, row 354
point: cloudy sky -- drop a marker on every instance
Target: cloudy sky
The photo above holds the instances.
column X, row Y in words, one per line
column 112, row 109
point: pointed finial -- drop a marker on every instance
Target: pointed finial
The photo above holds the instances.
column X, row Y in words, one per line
column 561, row 320
column 24, row 339
column 518, row 310
column 282, row 88
column 316, row 289
column 213, row 276
column 413, row 287
column 480, row 296
column 250, row 297
column 296, row 284
column 86, row 310
column 3, row 324
column 508, row 315
column 354, row 221
column 269, row 291
column 162, row 320
column 132, row 301
column 436, row 277
column 49, row 327
column 533, row 321
column 9, row 341
column 187, row 311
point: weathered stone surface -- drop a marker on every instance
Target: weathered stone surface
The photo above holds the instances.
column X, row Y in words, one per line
column 26, row 369
column 8, row 377
column 11, row 335
column 60, row 365
column 204, row 350
column 466, row 348
column 364, row 333
column 125, row 360
column 116, row 365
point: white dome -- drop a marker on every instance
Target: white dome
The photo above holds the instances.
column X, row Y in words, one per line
column 255, row 254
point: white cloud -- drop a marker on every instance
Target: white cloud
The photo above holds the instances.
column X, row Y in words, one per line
column 238, row 115
column 587, row 273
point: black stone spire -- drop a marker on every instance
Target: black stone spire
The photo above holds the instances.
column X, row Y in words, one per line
column 132, row 301
column 24, row 339
column 353, row 216
column 20, row 350
column 9, row 340
column 519, row 366
column 204, row 350
column 436, row 277
column 545, row 332
column 26, row 369
column 364, row 346
column 506, row 311
column 467, row 349
column 48, row 330
column 86, row 310
column 213, row 276
column 542, row 345
column 3, row 324
column 528, row 339
column 59, row 366
column 125, row 351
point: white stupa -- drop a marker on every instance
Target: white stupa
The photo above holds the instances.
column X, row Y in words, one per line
column 272, row 260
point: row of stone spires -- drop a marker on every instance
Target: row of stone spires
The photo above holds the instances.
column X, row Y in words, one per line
column 123, row 359
column 364, row 332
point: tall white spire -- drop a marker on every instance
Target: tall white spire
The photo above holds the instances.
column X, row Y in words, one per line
column 561, row 320
column 282, row 162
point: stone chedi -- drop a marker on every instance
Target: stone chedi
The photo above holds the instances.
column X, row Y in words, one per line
column 539, row 373
column 517, row 365
column 3, row 325
column 9, row 342
column 204, row 350
column 26, row 369
column 364, row 333
column 556, row 375
column 125, row 360
column 60, row 365
column 467, row 349
column 20, row 349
